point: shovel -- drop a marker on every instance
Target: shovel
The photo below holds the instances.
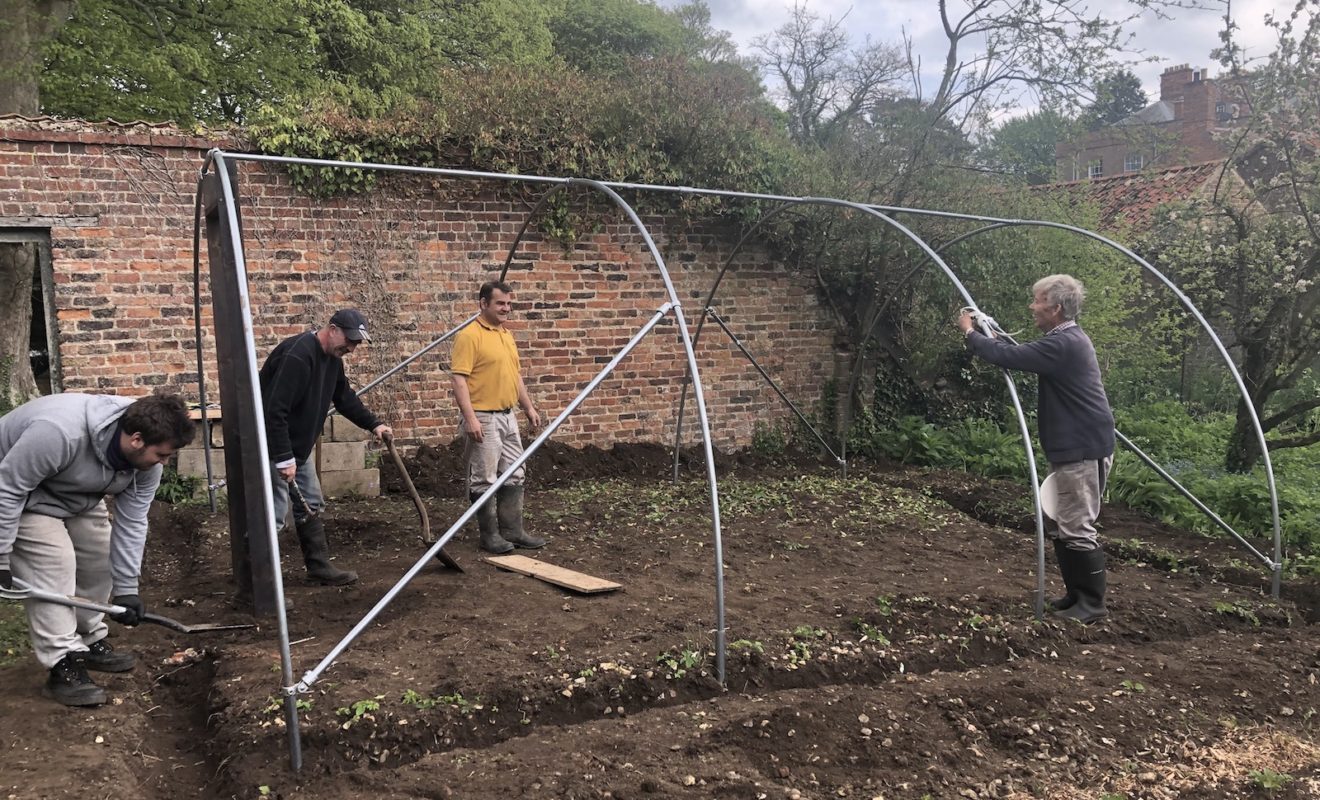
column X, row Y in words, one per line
column 444, row 557
column 20, row 592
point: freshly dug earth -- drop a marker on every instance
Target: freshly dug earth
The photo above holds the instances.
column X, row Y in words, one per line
column 882, row 644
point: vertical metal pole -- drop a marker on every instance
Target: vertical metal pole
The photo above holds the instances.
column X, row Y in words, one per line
column 197, row 334
column 259, row 478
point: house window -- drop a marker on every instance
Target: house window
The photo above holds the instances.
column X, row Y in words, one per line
column 1133, row 162
column 1096, row 168
column 1221, row 111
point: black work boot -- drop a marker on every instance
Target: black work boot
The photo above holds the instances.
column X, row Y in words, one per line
column 1086, row 571
column 70, row 685
column 316, row 555
column 102, row 657
column 509, row 503
column 1070, row 597
column 489, row 524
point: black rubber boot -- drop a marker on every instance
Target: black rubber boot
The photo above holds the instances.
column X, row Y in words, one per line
column 1070, row 596
column 316, row 555
column 509, row 502
column 70, row 685
column 489, row 523
column 102, row 657
column 1086, row 571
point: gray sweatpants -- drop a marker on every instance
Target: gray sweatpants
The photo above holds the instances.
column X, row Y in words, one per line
column 500, row 446
column 1079, row 485
column 64, row 556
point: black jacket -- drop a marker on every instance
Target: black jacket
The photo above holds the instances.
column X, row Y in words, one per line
column 1073, row 417
column 298, row 383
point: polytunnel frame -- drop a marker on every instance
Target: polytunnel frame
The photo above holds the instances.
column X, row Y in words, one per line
column 1274, row 564
column 933, row 255
column 218, row 156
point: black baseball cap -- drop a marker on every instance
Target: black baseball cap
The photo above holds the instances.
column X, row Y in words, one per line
column 352, row 323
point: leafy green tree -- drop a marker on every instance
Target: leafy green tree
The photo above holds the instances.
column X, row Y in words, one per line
column 1023, row 147
column 382, row 54
column 1250, row 253
column 702, row 41
column 222, row 60
column 1118, row 96
column 184, row 61
column 606, row 35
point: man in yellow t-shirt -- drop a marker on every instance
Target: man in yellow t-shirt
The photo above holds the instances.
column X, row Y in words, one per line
column 487, row 387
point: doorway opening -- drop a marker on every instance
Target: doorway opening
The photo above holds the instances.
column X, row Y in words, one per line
column 29, row 353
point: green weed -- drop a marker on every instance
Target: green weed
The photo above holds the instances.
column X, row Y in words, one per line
column 1240, row 609
column 1268, row 779
column 678, row 663
column 870, row 632
column 359, row 709
column 418, row 700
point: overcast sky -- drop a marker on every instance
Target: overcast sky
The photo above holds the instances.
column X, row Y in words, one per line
column 1188, row 39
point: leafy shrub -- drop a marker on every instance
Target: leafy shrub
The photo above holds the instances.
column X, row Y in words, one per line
column 175, row 488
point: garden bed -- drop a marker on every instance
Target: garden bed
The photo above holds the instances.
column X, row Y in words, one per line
column 882, row 644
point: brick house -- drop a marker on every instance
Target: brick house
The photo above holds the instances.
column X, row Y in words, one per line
column 1176, row 130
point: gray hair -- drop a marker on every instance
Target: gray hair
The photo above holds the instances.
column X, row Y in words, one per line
column 1064, row 291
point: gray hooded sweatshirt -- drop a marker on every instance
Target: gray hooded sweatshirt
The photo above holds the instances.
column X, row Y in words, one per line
column 53, row 461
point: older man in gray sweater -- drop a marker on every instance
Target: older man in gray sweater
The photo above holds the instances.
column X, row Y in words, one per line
column 1076, row 430
column 59, row 458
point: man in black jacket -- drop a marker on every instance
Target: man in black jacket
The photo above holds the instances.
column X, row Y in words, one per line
column 302, row 376
column 1076, row 430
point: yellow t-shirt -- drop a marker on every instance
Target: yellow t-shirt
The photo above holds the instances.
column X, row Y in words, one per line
column 488, row 358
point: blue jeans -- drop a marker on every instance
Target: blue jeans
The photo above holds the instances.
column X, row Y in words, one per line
column 308, row 484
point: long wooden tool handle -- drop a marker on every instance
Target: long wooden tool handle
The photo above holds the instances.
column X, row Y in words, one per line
column 412, row 490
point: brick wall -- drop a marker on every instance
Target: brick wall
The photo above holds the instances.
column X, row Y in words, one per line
column 118, row 204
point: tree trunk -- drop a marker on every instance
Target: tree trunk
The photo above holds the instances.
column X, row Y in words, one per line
column 1243, row 448
column 1258, row 363
column 18, row 263
column 25, row 27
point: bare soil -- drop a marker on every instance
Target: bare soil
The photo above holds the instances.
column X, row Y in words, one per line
column 882, row 644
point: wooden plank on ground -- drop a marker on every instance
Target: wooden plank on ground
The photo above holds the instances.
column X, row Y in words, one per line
column 577, row 581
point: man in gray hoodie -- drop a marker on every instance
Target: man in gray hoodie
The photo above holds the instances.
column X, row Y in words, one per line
column 59, row 458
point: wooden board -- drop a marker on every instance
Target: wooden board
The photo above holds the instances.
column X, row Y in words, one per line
column 577, row 581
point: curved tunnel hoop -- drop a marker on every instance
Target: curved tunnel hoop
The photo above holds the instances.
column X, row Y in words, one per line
column 1276, row 565
column 690, row 352
column 215, row 157
column 701, row 323
column 866, row 335
column 933, row 255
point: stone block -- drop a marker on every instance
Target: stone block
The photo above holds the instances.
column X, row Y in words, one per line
column 338, row 429
column 361, row 482
column 192, row 462
column 342, row 456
